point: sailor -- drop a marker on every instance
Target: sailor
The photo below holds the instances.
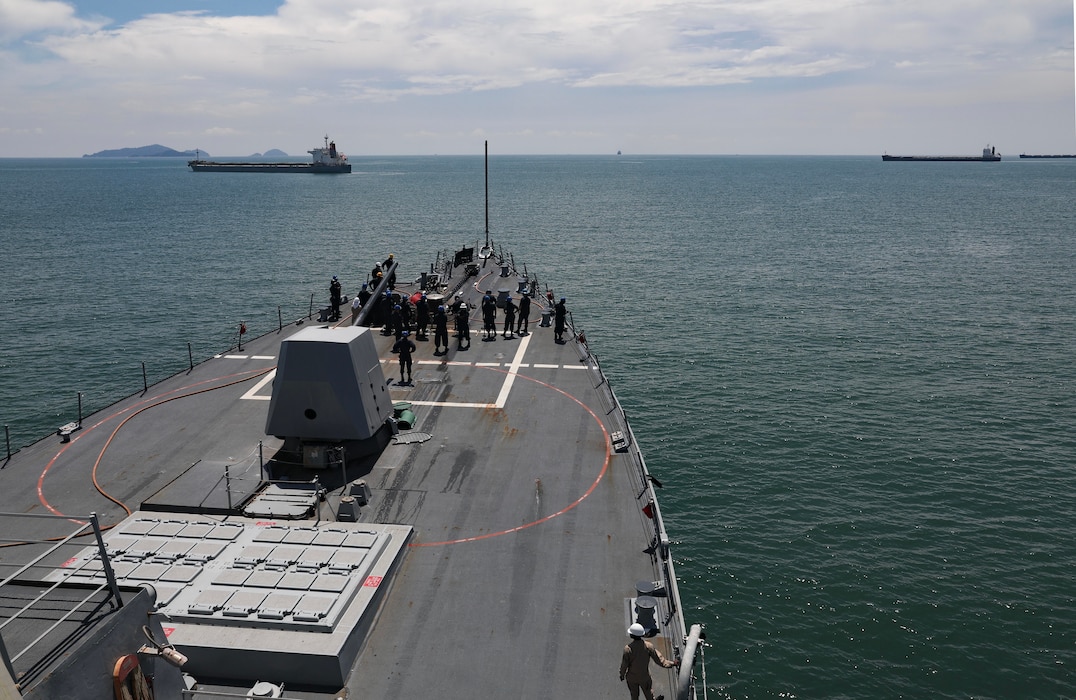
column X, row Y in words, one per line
column 396, row 321
column 364, row 294
column 384, row 313
column 457, row 304
column 489, row 316
column 407, row 312
column 509, row 316
column 404, row 347
column 375, row 274
column 463, row 326
column 635, row 664
column 356, row 307
column 524, row 313
column 440, row 330
column 422, row 318
column 335, row 297
column 386, row 266
column 560, row 314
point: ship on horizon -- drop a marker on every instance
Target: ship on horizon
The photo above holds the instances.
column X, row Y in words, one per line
column 990, row 155
column 324, row 160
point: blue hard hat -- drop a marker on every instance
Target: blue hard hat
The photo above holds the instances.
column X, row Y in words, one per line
column 396, row 307
column 406, row 333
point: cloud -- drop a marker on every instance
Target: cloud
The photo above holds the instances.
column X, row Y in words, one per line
column 20, row 18
column 210, row 67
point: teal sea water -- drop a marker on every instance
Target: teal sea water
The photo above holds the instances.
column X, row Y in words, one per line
column 855, row 379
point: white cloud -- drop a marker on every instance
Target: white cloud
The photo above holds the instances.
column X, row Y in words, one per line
column 19, row 18
column 335, row 55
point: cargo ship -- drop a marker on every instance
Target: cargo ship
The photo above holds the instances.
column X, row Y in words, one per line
column 989, row 155
column 325, row 159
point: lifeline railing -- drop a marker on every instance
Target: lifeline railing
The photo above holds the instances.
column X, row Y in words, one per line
column 42, row 601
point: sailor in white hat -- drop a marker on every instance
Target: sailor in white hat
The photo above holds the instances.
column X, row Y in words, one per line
column 635, row 664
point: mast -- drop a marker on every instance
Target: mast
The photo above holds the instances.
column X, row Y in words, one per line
column 486, row 251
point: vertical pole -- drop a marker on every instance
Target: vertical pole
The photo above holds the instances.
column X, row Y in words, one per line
column 190, row 355
column 487, row 193
column 343, row 470
column 261, row 461
column 106, row 565
column 240, row 337
column 228, row 484
column 279, row 319
column 80, row 409
column 7, row 439
column 145, row 381
column 311, row 313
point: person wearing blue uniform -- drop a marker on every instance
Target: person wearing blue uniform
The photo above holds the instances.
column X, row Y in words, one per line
column 509, row 316
column 422, row 318
column 524, row 315
column 489, row 316
column 335, row 297
column 404, row 348
column 440, row 330
column 560, row 315
column 463, row 326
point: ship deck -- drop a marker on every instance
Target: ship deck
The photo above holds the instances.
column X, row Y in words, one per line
column 529, row 541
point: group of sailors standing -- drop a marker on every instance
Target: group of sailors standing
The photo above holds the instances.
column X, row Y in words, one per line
column 397, row 314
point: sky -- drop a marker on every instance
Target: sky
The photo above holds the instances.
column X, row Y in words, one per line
column 418, row 77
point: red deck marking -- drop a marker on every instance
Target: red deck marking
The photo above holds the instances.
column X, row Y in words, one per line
column 565, row 509
column 372, row 582
column 136, row 408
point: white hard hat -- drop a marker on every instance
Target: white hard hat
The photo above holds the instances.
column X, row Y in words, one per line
column 637, row 630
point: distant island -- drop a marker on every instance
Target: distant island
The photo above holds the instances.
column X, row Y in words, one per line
column 159, row 151
column 154, row 151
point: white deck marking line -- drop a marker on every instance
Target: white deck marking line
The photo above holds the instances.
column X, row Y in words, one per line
column 263, row 357
column 452, row 404
column 488, row 364
column 253, row 393
column 574, row 367
column 236, row 357
column 538, row 366
column 513, row 369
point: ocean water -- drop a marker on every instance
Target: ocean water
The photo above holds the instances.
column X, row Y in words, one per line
column 855, row 379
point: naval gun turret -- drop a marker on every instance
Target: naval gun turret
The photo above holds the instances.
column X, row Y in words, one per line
column 330, row 393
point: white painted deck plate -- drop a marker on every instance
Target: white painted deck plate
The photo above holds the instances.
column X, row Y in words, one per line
column 241, row 594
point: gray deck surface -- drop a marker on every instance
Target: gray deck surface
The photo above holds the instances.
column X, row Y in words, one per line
column 529, row 534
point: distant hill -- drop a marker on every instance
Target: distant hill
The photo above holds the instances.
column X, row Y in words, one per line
column 275, row 153
column 154, row 151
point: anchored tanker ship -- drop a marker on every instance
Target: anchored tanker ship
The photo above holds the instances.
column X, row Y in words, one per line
column 989, row 155
column 288, row 519
column 324, row 160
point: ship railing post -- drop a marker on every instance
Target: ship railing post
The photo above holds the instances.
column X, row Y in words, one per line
column 228, row 485
column 279, row 319
column 106, row 565
column 190, row 356
column 7, row 441
column 145, row 380
column 80, row 409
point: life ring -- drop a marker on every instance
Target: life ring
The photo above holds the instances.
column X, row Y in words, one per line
column 128, row 681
